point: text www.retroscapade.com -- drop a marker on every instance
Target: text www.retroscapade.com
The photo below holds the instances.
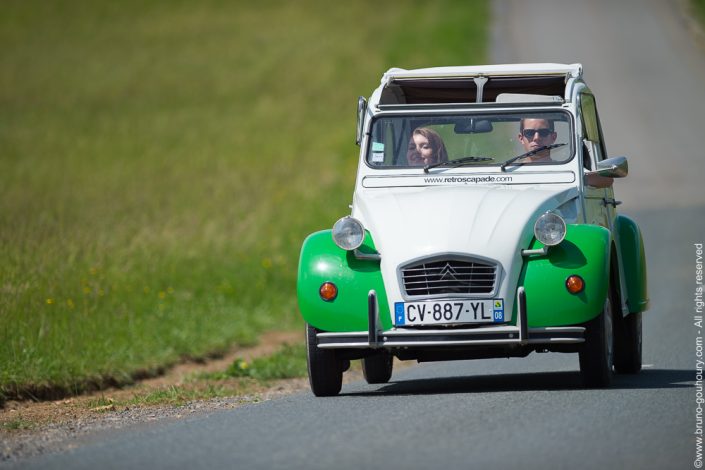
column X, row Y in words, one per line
column 468, row 179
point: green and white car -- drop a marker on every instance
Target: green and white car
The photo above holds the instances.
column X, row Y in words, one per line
column 483, row 225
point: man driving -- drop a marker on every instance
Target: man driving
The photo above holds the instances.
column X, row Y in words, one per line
column 535, row 133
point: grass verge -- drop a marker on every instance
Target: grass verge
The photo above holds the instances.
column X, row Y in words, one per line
column 163, row 161
column 18, row 424
column 699, row 7
column 287, row 363
column 188, row 388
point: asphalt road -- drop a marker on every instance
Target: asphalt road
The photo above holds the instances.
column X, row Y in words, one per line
column 648, row 77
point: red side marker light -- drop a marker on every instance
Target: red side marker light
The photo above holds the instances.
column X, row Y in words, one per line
column 575, row 284
column 328, row 291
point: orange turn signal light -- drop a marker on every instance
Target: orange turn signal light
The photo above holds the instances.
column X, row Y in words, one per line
column 328, row 291
column 575, row 284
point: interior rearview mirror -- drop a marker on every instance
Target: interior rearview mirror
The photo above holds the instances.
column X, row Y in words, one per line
column 473, row 126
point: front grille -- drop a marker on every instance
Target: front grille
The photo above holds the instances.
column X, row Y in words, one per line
column 449, row 276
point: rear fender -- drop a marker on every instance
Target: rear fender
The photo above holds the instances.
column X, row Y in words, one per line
column 631, row 247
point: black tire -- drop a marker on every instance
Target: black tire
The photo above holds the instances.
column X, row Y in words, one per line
column 627, row 347
column 597, row 353
column 325, row 369
column 377, row 369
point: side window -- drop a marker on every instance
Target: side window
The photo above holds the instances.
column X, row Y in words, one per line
column 591, row 127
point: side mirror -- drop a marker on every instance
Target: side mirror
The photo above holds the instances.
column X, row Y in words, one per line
column 361, row 108
column 615, row 167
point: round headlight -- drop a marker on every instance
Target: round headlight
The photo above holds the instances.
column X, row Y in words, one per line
column 549, row 229
column 348, row 233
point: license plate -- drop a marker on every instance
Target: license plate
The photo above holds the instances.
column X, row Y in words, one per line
column 448, row 311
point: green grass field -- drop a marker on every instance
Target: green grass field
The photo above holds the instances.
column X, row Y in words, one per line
column 699, row 6
column 163, row 161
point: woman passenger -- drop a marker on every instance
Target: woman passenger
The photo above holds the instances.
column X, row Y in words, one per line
column 426, row 148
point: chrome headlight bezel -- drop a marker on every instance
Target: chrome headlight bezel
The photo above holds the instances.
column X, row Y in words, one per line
column 348, row 233
column 550, row 229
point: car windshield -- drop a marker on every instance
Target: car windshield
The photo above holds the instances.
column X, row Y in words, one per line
column 478, row 139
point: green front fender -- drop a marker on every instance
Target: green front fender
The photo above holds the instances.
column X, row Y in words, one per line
column 322, row 260
column 585, row 251
column 631, row 247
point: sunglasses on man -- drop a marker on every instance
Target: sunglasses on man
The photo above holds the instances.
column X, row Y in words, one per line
column 529, row 133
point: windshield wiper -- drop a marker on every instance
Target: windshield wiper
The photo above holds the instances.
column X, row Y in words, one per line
column 456, row 162
column 503, row 166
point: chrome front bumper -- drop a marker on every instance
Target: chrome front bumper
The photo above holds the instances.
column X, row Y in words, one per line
column 478, row 336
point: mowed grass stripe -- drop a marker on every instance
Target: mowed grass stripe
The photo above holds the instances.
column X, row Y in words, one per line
column 163, row 161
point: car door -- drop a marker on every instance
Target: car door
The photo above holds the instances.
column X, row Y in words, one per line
column 596, row 207
column 600, row 204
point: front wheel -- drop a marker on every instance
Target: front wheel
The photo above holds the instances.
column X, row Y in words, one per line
column 377, row 369
column 325, row 369
column 596, row 354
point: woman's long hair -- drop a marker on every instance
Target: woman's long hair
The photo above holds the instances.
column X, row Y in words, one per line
column 434, row 140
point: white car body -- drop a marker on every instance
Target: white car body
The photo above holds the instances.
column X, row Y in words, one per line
column 465, row 226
